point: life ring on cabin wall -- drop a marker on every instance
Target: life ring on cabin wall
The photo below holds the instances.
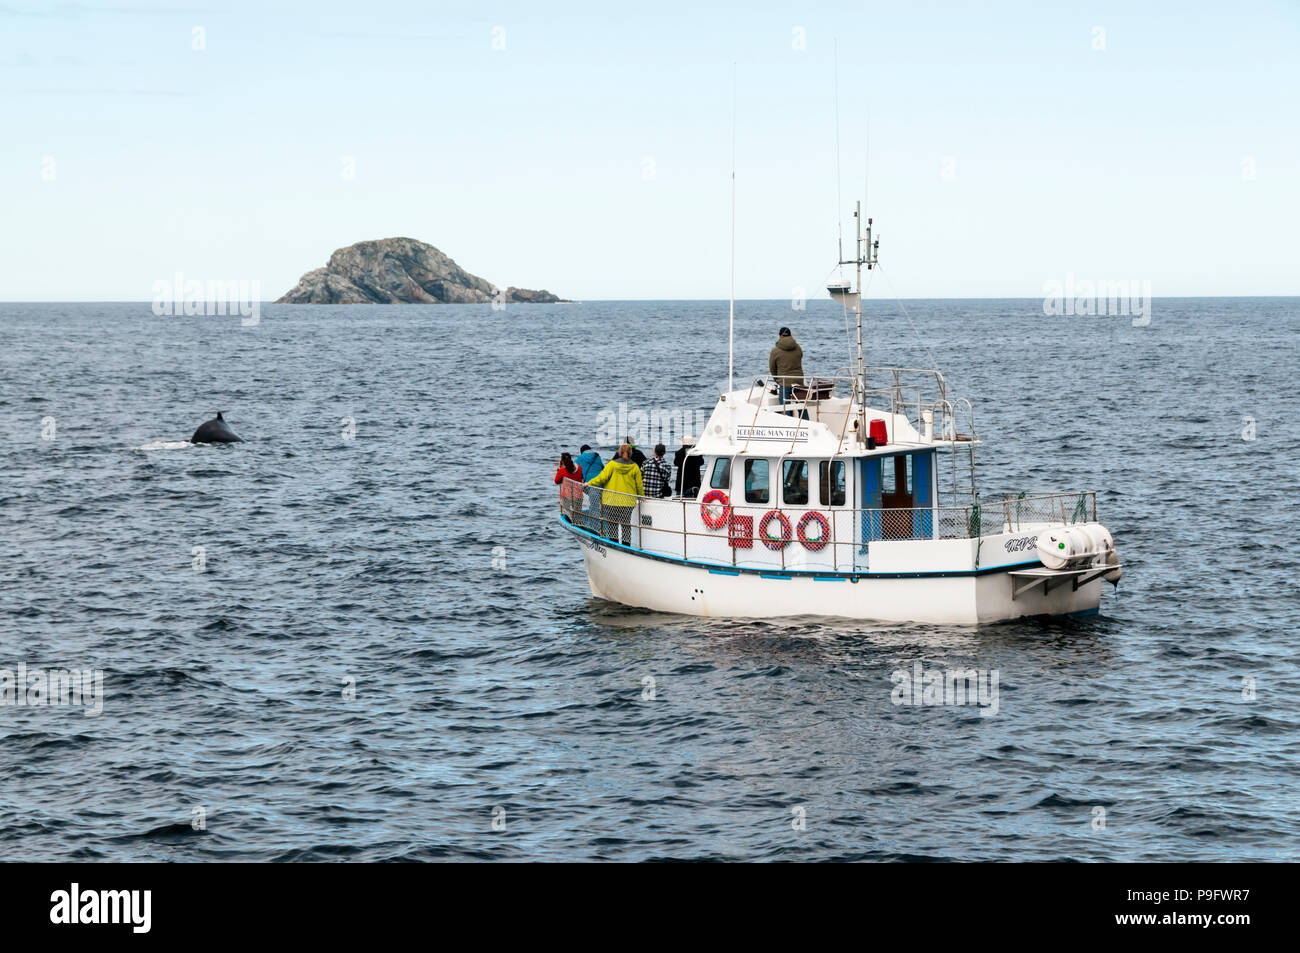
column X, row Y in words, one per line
column 706, row 514
column 818, row 544
column 776, row 545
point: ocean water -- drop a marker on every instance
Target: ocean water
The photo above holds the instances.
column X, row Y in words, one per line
column 391, row 653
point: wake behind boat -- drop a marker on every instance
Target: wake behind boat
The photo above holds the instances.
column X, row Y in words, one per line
column 849, row 495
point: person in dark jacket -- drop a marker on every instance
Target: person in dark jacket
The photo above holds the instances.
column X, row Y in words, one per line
column 637, row 456
column 688, row 468
column 785, row 365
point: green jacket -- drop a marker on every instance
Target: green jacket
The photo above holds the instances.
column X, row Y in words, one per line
column 620, row 477
column 785, row 363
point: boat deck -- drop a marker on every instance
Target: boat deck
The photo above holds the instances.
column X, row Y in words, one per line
column 833, row 539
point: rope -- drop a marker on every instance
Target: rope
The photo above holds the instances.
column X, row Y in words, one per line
column 908, row 315
column 1080, row 514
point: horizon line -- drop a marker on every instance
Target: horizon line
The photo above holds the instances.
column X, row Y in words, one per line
column 453, row 304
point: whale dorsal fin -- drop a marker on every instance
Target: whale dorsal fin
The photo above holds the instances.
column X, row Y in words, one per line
column 219, row 417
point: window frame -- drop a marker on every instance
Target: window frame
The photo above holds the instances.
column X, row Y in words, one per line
column 826, row 490
column 723, row 464
column 885, row 482
column 787, row 462
column 746, row 470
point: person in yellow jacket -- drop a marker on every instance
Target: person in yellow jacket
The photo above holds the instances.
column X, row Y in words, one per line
column 621, row 479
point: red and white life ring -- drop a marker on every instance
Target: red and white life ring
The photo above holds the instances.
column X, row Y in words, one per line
column 711, row 520
column 776, row 545
column 814, row 545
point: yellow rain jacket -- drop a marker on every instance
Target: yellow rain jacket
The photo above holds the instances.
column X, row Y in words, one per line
column 619, row 478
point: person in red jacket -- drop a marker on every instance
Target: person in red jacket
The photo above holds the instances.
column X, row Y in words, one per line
column 569, row 478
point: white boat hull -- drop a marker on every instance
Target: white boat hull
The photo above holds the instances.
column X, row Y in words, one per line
column 666, row 585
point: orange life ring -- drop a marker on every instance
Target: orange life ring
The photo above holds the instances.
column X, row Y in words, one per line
column 818, row 544
column 776, row 545
column 706, row 514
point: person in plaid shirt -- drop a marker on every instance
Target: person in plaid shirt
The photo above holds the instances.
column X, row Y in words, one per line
column 657, row 473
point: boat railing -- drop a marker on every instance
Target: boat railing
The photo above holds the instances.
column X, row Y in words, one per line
column 919, row 395
column 688, row 528
column 915, row 391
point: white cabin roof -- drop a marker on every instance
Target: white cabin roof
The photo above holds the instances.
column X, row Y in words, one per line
column 752, row 422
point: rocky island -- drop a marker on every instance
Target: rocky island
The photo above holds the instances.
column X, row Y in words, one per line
column 393, row 270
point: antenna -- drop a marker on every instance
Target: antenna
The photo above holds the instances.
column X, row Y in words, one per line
column 731, row 319
column 839, row 199
column 864, row 253
column 866, row 163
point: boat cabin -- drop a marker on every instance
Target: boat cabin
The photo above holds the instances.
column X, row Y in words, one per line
column 810, row 484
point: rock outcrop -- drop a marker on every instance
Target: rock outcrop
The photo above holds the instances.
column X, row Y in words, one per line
column 391, row 270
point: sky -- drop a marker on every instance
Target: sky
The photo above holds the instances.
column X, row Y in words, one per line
column 586, row 148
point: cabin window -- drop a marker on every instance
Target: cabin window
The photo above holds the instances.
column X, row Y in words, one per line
column 832, row 483
column 896, row 474
column 887, row 482
column 794, row 482
column 756, row 481
column 721, row 474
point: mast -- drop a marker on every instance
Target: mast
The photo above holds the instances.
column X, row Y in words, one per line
column 864, row 253
column 731, row 313
column 857, row 221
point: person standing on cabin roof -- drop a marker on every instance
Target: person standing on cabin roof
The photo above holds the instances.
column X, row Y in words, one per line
column 785, row 363
column 657, row 473
column 623, row 486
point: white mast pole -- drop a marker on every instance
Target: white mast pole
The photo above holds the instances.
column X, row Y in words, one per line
column 839, row 200
column 731, row 319
column 857, row 217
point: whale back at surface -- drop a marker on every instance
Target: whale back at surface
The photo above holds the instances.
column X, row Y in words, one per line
column 215, row 430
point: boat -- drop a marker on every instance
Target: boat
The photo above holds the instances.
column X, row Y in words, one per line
column 849, row 495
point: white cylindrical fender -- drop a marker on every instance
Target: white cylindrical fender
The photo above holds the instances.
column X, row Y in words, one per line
column 1098, row 538
column 1056, row 548
column 1078, row 545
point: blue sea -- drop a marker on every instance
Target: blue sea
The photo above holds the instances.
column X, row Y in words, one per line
column 361, row 634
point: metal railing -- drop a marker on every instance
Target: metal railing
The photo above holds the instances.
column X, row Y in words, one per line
column 908, row 392
column 786, row 537
column 1017, row 511
column 913, row 390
